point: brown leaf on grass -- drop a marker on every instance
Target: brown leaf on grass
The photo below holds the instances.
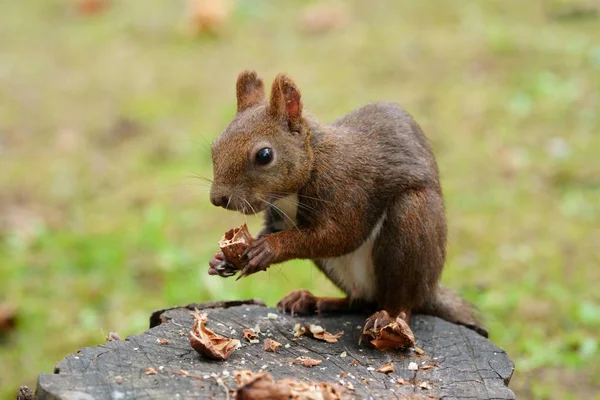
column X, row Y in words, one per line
column 8, row 318
column 208, row 15
column 151, row 371
column 208, row 343
column 25, row 393
column 253, row 386
column 395, row 333
column 271, row 345
column 307, row 361
column 387, row 368
column 233, row 244
column 249, row 334
column 319, row 18
column 91, row 7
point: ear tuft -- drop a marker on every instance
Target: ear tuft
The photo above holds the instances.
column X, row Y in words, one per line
column 250, row 90
column 286, row 101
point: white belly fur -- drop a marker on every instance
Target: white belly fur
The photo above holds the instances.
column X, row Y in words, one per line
column 355, row 271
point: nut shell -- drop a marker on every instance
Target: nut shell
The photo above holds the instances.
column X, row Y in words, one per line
column 233, row 245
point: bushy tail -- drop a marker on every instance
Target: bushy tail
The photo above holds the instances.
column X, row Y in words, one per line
column 448, row 305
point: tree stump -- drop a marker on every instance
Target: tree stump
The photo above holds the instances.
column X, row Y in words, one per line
column 455, row 362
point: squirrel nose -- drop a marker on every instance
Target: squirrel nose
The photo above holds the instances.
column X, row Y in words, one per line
column 220, row 201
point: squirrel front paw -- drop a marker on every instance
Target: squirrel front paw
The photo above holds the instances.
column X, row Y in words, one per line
column 220, row 266
column 260, row 255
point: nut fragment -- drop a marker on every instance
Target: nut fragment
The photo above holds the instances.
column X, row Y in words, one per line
column 307, row 361
column 316, row 332
column 162, row 342
column 253, row 386
column 249, row 334
column 271, row 345
column 395, row 332
column 387, row 368
column 151, row 371
column 233, row 244
column 208, row 343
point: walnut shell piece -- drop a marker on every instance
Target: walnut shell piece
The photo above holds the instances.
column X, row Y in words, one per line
column 234, row 243
column 208, row 343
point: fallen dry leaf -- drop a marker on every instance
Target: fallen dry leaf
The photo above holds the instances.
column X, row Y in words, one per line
column 234, row 244
column 271, row 345
column 387, row 368
column 307, row 361
column 151, row 371
column 208, row 15
column 319, row 18
column 249, row 334
column 395, row 332
column 8, row 318
column 25, row 394
column 208, row 343
column 262, row 386
column 91, row 7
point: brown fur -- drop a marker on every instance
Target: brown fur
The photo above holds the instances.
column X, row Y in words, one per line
column 371, row 164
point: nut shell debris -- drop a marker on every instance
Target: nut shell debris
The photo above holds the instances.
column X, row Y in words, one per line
column 394, row 333
column 208, row 343
column 387, row 368
column 307, row 361
column 271, row 345
column 261, row 386
column 316, row 332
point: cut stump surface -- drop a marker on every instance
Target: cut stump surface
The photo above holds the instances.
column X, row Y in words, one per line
column 455, row 362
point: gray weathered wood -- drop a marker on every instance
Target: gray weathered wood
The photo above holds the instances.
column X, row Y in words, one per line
column 466, row 365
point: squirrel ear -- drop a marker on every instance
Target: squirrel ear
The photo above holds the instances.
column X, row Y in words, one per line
column 249, row 89
column 285, row 101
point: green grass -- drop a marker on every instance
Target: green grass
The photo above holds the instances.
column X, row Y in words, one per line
column 103, row 223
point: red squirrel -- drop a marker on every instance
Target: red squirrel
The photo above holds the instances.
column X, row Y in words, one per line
column 360, row 197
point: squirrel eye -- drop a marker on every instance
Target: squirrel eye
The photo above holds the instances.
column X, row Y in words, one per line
column 264, row 156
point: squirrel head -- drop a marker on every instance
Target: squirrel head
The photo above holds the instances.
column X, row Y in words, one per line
column 265, row 153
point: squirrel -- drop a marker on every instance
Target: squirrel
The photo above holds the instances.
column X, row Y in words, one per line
column 360, row 197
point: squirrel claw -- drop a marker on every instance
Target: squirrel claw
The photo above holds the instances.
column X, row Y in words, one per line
column 220, row 266
column 260, row 256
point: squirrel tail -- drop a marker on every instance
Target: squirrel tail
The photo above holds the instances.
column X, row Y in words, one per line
column 449, row 305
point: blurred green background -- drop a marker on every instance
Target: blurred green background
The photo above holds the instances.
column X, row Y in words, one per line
column 107, row 109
